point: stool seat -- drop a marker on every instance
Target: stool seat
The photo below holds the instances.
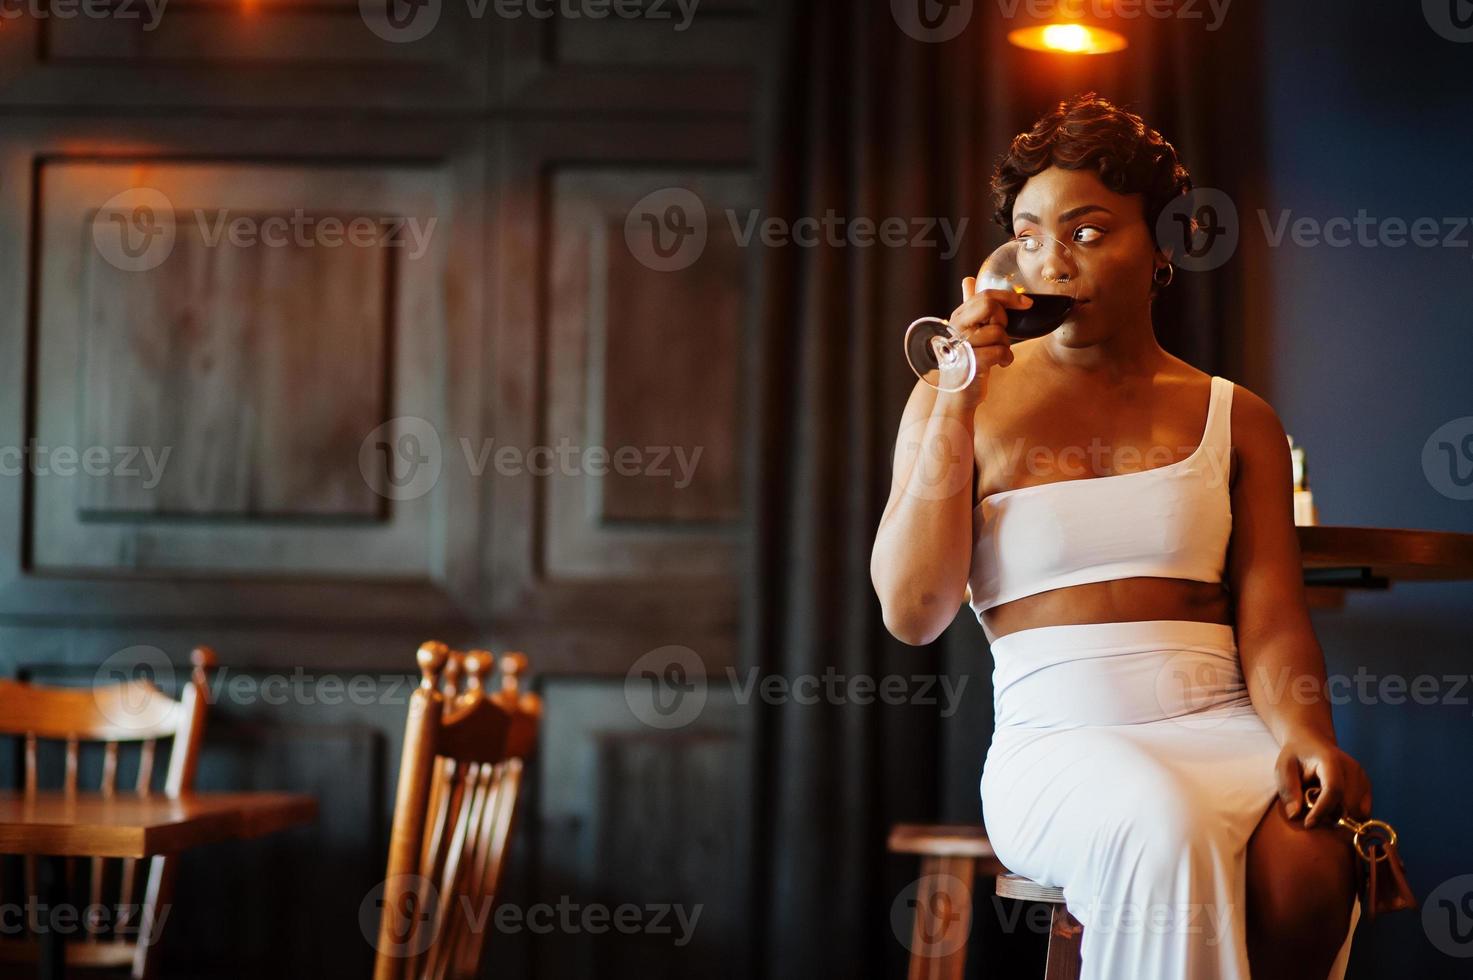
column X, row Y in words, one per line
column 946, row 840
column 1066, row 935
column 1028, row 890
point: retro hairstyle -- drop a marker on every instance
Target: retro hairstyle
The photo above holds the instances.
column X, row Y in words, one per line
column 1089, row 132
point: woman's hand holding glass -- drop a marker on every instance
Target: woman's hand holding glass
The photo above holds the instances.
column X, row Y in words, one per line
column 1029, row 286
column 981, row 321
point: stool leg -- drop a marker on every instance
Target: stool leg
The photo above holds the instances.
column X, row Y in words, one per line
column 938, row 943
column 1065, row 937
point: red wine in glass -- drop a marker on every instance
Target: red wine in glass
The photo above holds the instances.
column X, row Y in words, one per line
column 1048, row 312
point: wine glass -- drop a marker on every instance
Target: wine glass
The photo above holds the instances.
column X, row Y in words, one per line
column 1038, row 266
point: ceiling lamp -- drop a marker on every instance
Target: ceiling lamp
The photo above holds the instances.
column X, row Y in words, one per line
column 1071, row 37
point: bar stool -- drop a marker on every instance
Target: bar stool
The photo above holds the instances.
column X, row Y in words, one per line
column 1065, row 935
column 949, row 853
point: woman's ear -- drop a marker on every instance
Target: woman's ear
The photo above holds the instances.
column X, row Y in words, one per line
column 1160, row 259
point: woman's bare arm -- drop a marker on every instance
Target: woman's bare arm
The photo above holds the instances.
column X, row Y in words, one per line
column 923, row 548
column 1283, row 665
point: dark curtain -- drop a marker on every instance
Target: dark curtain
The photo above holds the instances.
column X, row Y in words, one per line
column 868, row 121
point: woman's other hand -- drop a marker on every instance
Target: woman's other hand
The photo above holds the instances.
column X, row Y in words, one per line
column 1310, row 757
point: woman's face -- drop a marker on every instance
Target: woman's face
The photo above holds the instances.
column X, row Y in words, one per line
column 1106, row 232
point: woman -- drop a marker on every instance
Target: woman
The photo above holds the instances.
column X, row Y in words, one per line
column 1133, row 563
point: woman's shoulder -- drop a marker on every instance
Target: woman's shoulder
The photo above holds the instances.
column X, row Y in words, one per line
column 1254, row 422
column 1179, row 377
column 1255, row 435
column 1252, row 415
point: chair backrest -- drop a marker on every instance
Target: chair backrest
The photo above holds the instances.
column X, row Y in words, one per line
column 459, row 780
column 137, row 715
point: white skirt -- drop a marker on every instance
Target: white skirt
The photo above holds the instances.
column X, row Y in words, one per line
column 1130, row 768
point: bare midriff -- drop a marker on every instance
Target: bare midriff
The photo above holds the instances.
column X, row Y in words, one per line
column 1116, row 601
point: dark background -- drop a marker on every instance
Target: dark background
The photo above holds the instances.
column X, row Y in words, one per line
column 532, row 318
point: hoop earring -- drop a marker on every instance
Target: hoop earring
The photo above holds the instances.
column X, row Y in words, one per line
column 1170, row 274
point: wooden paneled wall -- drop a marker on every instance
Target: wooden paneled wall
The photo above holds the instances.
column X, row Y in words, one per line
column 296, row 297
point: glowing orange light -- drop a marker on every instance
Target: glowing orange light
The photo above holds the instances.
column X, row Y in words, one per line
column 1068, row 39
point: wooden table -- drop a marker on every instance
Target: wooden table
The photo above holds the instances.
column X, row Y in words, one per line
column 1337, row 558
column 57, row 825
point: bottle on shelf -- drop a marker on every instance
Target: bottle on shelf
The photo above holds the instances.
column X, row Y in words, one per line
column 1305, row 512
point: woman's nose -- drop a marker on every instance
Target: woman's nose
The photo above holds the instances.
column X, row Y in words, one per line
column 1057, row 267
column 1052, row 262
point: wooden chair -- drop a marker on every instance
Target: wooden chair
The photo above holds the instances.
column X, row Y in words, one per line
column 131, row 713
column 459, row 780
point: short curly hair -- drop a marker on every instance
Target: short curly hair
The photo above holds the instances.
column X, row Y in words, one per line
column 1087, row 131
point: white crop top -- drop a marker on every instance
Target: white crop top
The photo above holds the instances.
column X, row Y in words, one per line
column 1170, row 521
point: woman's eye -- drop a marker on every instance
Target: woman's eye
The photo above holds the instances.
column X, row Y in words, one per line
column 1081, row 231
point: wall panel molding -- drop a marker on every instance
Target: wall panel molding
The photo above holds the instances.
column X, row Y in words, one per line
column 413, row 556
column 650, row 563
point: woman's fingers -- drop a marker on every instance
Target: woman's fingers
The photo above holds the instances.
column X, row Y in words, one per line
column 992, row 355
column 1358, row 792
column 988, row 306
column 1330, row 800
column 1343, row 786
column 990, row 343
column 981, row 321
column 1291, row 783
column 983, row 333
